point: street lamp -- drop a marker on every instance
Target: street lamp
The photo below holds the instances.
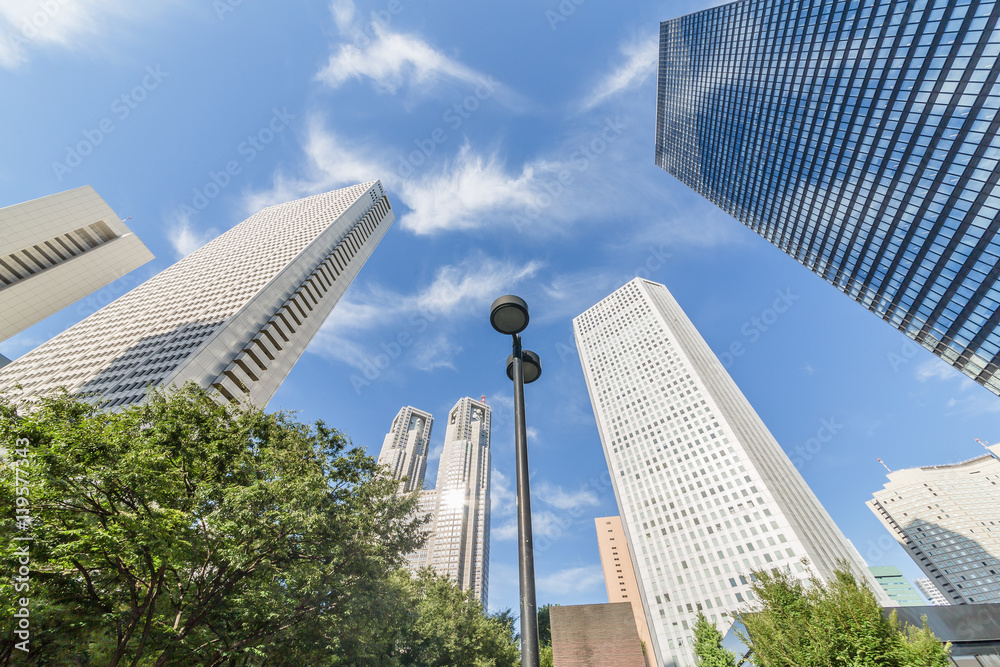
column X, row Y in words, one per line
column 509, row 315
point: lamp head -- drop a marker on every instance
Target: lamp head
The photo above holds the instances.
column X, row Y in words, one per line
column 531, row 369
column 509, row 315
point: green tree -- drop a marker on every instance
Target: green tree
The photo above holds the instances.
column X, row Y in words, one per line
column 545, row 625
column 545, row 656
column 836, row 623
column 708, row 645
column 451, row 628
column 186, row 532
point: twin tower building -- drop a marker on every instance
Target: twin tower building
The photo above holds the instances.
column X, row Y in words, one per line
column 458, row 543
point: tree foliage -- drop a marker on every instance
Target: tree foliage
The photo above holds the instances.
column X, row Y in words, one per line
column 840, row 623
column 708, row 645
column 184, row 532
column 545, row 625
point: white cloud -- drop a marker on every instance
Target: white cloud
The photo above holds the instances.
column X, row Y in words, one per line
column 392, row 60
column 641, row 57
column 465, row 192
column 935, row 369
column 544, row 524
column 565, row 500
column 183, row 238
column 360, row 325
column 30, row 24
column 503, row 501
column 331, row 162
column 572, row 580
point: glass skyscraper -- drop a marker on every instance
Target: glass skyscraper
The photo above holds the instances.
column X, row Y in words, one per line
column 861, row 138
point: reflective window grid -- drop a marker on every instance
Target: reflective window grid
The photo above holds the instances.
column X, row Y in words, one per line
column 861, row 139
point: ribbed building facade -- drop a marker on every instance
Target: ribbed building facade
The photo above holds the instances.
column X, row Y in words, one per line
column 235, row 315
column 947, row 517
column 58, row 249
column 862, row 139
column 405, row 448
column 705, row 492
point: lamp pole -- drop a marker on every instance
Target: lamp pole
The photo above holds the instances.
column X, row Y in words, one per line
column 525, row 551
column 509, row 315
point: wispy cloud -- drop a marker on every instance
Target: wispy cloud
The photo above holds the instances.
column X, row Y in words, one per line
column 640, row 58
column 503, row 501
column 26, row 25
column 393, row 60
column 183, row 238
column 464, row 191
column 359, row 325
column 972, row 400
column 565, row 500
column 935, row 369
column 330, row 162
column 572, row 580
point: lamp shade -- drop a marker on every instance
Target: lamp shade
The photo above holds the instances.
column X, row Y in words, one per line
column 509, row 314
column 531, row 369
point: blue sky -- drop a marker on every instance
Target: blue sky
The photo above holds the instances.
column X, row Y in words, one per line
column 516, row 144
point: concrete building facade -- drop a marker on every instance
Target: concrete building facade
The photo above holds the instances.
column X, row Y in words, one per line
column 706, row 494
column 235, row 315
column 931, row 592
column 458, row 507
column 404, row 450
column 900, row 591
column 619, row 576
column 947, row 517
column 55, row 250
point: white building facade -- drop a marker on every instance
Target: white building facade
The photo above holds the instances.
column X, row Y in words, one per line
column 931, row 592
column 947, row 518
column 235, row 315
column 404, row 450
column 458, row 543
column 705, row 492
column 55, row 250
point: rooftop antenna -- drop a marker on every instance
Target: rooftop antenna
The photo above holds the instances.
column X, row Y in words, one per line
column 482, row 399
column 884, row 465
column 986, row 446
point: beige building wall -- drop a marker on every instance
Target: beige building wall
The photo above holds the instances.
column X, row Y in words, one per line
column 58, row 249
column 234, row 315
column 947, row 517
column 619, row 576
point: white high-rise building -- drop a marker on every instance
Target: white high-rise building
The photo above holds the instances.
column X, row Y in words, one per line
column 705, row 492
column 458, row 543
column 234, row 315
column 58, row 249
column 931, row 592
column 404, row 450
column 947, row 518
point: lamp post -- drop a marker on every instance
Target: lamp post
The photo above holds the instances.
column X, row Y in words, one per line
column 509, row 315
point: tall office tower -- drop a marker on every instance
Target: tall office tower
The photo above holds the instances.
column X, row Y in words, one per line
column 234, row 315
column 619, row 576
column 459, row 542
column 947, row 518
column 860, row 138
column 931, row 592
column 900, row 591
column 58, row 249
column 404, row 450
column 705, row 492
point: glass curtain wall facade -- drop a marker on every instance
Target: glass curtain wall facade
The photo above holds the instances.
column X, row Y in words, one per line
column 861, row 138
